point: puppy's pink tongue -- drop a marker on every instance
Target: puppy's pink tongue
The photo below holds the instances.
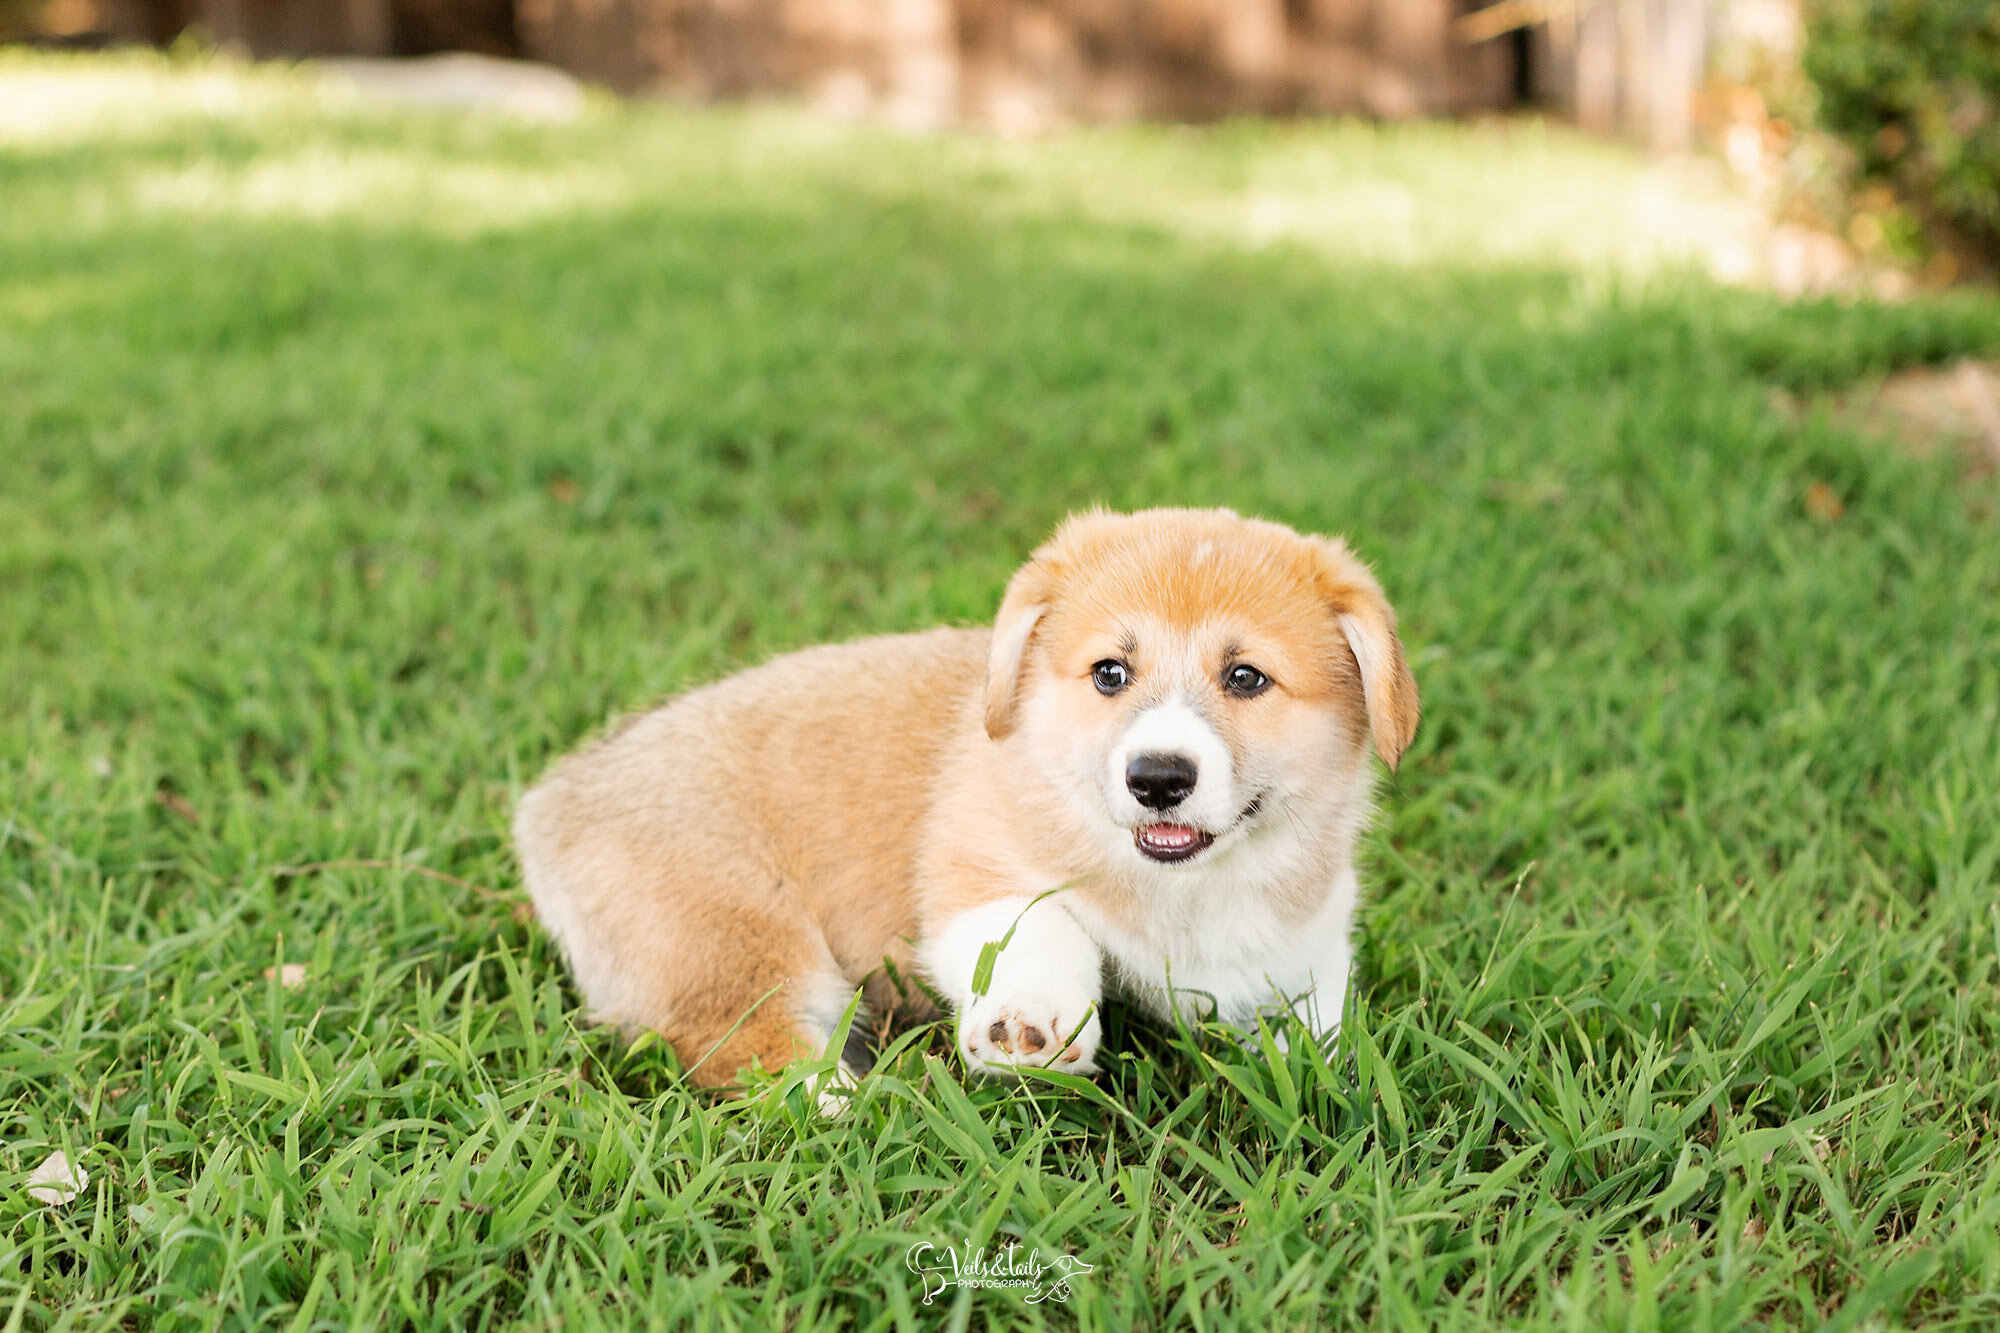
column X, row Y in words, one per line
column 1171, row 835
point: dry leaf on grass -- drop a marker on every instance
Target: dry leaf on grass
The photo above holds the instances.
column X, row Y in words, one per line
column 178, row 804
column 56, row 1181
column 290, row 976
column 1823, row 502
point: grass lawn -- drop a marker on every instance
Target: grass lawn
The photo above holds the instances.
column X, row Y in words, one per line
column 355, row 463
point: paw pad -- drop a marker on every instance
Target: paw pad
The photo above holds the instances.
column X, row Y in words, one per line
column 1002, row 1035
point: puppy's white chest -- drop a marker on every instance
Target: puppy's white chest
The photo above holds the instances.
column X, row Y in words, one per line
column 1229, row 955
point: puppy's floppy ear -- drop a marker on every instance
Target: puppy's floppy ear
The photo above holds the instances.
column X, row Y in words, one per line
column 1369, row 626
column 1020, row 611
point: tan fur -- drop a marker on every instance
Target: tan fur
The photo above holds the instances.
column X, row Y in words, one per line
column 763, row 845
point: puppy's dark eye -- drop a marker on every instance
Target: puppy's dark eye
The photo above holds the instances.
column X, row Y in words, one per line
column 1110, row 676
column 1244, row 680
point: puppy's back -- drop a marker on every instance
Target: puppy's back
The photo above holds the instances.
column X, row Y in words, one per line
column 785, row 800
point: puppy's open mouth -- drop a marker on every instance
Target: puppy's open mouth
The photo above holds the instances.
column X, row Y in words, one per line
column 1170, row 842
column 1180, row 842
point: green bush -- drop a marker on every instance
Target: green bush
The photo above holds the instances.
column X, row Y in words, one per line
column 1914, row 86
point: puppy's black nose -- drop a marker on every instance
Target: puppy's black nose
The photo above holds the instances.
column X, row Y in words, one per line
column 1160, row 781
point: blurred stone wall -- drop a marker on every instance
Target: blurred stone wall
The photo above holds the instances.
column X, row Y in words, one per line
column 272, row 28
column 1016, row 64
column 1021, row 64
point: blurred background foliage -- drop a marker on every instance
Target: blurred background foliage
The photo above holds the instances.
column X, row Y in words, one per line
column 1913, row 86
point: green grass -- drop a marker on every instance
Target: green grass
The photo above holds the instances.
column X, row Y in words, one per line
column 355, row 464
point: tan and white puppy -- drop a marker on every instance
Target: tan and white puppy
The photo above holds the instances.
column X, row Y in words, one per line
column 1152, row 770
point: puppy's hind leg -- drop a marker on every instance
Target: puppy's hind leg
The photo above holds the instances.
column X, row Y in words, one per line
column 778, row 996
column 704, row 950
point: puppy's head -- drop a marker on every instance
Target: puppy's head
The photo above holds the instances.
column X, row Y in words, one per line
column 1185, row 677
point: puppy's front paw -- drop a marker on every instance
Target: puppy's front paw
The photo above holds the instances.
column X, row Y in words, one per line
column 999, row 1033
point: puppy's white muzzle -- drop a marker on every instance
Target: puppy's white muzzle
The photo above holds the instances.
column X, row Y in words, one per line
column 1163, row 732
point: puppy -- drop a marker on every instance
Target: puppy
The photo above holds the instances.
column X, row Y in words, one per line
column 1147, row 779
